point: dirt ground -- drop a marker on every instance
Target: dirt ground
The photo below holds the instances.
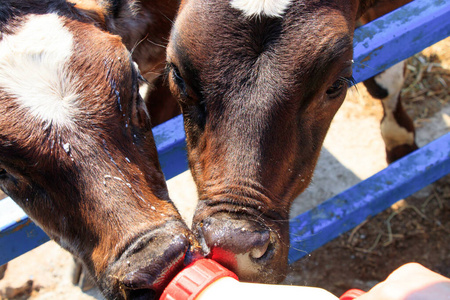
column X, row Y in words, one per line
column 415, row 229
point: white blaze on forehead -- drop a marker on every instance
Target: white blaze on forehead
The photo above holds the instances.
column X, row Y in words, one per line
column 270, row 8
column 33, row 68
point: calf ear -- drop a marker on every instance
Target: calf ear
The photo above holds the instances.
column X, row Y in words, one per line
column 364, row 5
column 93, row 10
column 375, row 9
column 116, row 8
column 140, row 116
column 102, row 12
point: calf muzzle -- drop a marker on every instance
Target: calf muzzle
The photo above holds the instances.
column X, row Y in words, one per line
column 150, row 262
column 245, row 245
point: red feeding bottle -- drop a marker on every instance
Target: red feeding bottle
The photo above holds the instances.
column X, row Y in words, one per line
column 205, row 279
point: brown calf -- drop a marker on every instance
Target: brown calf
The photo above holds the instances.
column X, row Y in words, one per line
column 76, row 147
column 258, row 83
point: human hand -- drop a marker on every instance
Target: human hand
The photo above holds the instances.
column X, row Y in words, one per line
column 411, row 282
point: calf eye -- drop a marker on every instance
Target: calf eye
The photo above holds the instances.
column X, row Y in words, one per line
column 336, row 89
column 177, row 78
column 2, row 173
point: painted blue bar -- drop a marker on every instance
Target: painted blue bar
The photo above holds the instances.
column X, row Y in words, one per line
column 343, row 212
column 171, row 144
column 399, row 35
column 19, row 235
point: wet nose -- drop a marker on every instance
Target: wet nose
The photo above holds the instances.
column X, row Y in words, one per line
column 150, row 269
column 148, row 265
column 248, row 248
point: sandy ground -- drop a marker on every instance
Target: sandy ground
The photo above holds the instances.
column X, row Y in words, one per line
column 353, row 151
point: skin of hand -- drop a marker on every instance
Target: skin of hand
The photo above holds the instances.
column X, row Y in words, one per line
column 411, row 281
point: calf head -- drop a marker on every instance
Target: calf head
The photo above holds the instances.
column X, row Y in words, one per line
column 144, row 27
column 258, row 83
column 77, row 152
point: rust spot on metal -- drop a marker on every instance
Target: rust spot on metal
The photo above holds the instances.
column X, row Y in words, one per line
column 21, row 226
column 367, row 58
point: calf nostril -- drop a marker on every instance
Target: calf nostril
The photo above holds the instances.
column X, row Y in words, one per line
column 151, row 261
column 144, row 294
column 151, row 267
column 237, row 236
column 252, row 250
column 259, row 251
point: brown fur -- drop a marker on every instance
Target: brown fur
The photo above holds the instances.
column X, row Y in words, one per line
column 97, row 188
column 258, row 95
column 144, row 27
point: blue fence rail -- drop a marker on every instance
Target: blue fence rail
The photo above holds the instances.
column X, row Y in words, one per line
column 377, row 46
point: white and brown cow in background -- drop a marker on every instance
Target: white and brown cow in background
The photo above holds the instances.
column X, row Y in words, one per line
column 397, row 128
